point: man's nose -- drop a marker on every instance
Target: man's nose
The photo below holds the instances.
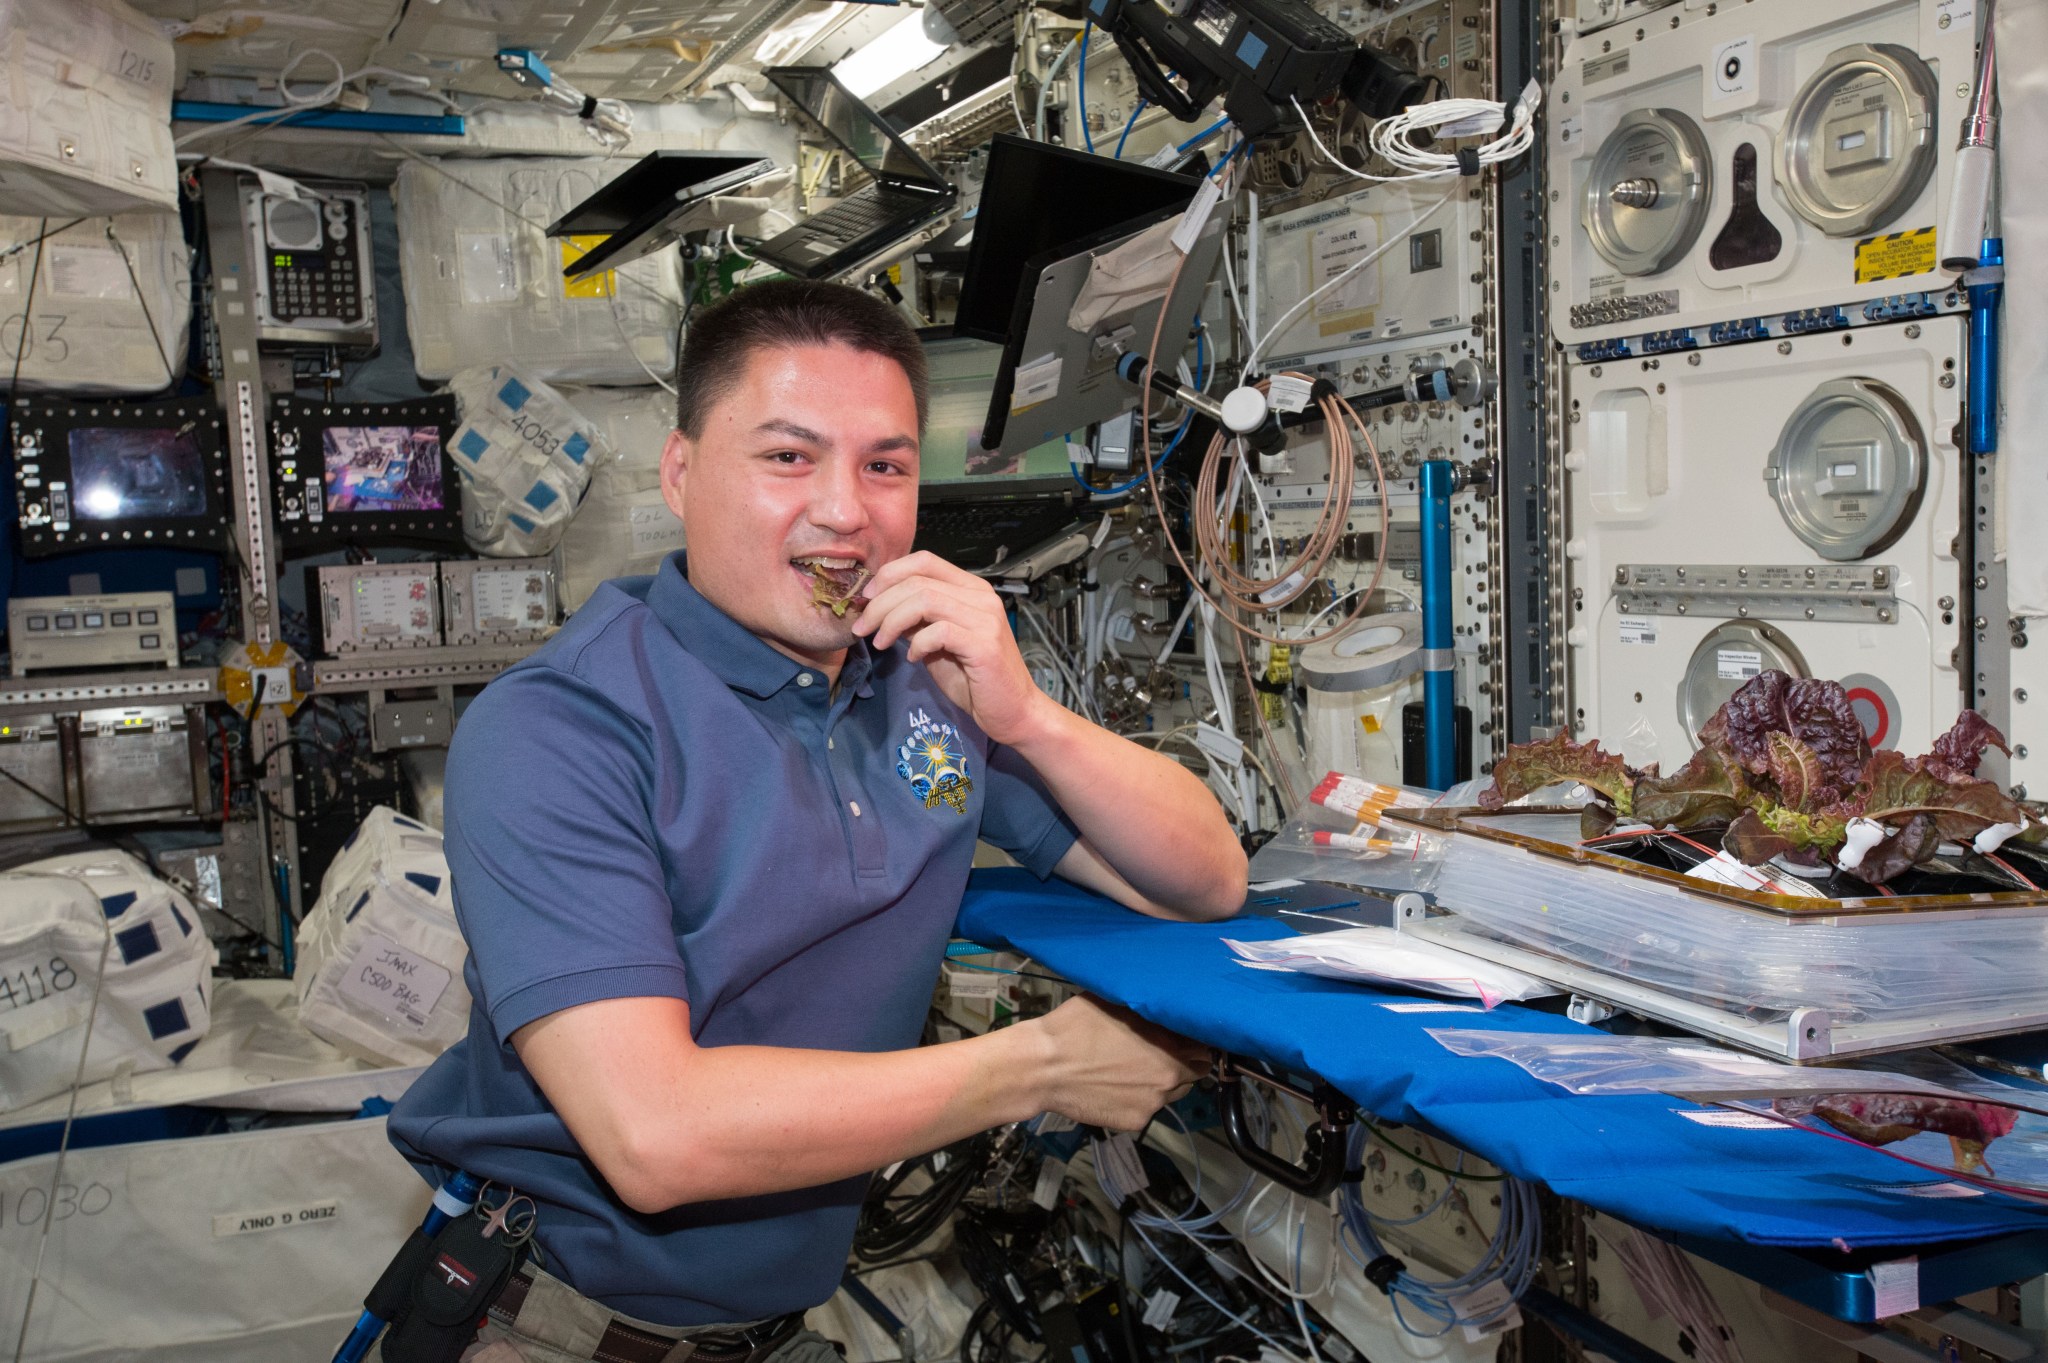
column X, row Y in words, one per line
column 840, row 503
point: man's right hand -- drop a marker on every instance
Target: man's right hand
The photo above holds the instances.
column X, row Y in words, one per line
column 1108, row 1067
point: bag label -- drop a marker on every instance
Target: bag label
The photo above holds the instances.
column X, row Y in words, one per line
column 394, row 983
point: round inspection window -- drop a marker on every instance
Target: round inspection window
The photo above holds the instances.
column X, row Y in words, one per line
column 1849, row 468
column 1859, row 140
column 1725, row 659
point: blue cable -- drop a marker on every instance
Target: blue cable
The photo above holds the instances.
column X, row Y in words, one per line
column 1201, row 379
column 1205, row 134
column 1127, row 129
column 1087, row 31
column 1236, row 147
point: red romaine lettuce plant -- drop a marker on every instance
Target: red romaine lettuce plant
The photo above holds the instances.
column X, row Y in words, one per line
column 1784, row 768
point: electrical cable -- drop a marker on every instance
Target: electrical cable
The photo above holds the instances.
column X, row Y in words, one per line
column 64, row 1139
column 1510, row 1257
column 1081, row 85
column 1139, row 108
column 295, row 104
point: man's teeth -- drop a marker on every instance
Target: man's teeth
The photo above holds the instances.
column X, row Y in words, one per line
column 834, row 563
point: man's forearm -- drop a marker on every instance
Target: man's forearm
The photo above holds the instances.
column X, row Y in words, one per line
column 668, row 1122
column 750, row 1120
column 1148, row 817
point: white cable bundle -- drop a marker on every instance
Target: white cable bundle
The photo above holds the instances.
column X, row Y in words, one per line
column 1449, row 118
column 1442, row 120
column 1667, row 1281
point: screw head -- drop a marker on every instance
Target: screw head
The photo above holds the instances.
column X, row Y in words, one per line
column 2020, row 694
column 1784, row 347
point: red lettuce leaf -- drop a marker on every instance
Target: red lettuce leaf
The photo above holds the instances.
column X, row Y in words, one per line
column 1710, row 789
column 1882, row 1118
column 1796, row 771
column 1905, row 847
column 1529, row 767
column 1815, row 712
column 1962, row 747
column 1895, row 788
column 1752, row 842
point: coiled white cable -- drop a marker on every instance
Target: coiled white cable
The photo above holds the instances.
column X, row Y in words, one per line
column 1392, row 136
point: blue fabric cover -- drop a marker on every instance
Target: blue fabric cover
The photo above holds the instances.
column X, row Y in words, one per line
column 1634, row 1157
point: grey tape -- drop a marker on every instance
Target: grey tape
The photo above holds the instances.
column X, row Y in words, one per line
column 1438, row 659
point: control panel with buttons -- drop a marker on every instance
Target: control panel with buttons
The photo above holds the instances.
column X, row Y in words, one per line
column 314, row 281
column 75, row 633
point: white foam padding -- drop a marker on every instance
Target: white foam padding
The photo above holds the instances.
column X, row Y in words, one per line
column 379, row 971
column 526, row 455
column 61, row 917
column 85, row 111
column 483, row 281
column 624, row 526
column 90, row 328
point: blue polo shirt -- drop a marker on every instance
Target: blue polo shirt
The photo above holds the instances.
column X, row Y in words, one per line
column 658, row 803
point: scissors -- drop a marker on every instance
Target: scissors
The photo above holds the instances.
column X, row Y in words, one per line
column 513, row 1216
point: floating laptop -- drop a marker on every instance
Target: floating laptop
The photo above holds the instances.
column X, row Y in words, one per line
column 975, row 507
column 905, row 192
column 639, row 212
column 1044, row 212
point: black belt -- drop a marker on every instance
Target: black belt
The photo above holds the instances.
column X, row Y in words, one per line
column 623, row 1343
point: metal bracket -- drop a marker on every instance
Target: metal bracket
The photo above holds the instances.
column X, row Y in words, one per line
column 1322, row 1168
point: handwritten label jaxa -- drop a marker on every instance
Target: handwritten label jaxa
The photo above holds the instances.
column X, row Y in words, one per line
column 276, row 1218
column 393, row 982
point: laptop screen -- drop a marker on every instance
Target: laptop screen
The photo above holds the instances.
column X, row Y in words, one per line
column 851, row 123
column 963, row 374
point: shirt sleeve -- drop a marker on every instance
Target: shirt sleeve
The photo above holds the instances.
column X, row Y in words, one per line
column 558, row 883
column 1019, row 815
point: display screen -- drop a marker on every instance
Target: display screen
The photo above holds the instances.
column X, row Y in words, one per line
column 123, row 473
column 382, row 468
column 963, row 375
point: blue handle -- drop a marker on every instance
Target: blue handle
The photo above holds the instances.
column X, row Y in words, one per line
column 1983, row 389
column 1439, row 668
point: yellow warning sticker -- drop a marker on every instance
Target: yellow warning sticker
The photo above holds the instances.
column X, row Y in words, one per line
column 1895, row 255
column 603, row 284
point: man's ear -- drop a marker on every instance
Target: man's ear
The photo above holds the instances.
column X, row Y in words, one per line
column 675, row 466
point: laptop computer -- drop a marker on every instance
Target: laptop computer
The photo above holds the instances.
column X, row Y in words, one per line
column 636, row 213
column 904, row 192
column 975, row 507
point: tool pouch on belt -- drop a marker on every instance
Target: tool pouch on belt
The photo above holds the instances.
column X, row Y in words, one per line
column 437, row 1291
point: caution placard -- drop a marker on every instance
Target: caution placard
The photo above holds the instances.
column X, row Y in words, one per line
column 602, row 284
column 1895, row 255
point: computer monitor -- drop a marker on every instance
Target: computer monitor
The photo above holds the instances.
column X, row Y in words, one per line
column 361, row 472
column 640, row 212
column 120, row 475
column 859, row 130
column 1036, row 198
column 963, row 376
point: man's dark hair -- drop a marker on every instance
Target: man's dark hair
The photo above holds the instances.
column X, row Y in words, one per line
column 788, row 312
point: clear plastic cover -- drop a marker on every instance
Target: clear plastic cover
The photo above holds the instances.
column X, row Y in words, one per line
column 91, row 328
column 1965, row 969
column 624, row 527
column 483, row 280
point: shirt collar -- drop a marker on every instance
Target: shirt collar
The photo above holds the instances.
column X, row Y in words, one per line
column 740, row 658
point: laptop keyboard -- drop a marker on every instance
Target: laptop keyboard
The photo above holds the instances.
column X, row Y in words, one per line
column 970, row 533
column 872, row 207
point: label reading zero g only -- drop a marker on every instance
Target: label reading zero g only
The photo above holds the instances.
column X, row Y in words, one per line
column 1895, row 255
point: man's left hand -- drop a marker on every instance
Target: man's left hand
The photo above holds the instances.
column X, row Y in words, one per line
column 958, row 628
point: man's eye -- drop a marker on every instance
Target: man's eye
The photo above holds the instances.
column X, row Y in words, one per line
column 785, row 456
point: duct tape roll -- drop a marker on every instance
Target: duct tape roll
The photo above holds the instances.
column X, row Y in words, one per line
column 1377, row 651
